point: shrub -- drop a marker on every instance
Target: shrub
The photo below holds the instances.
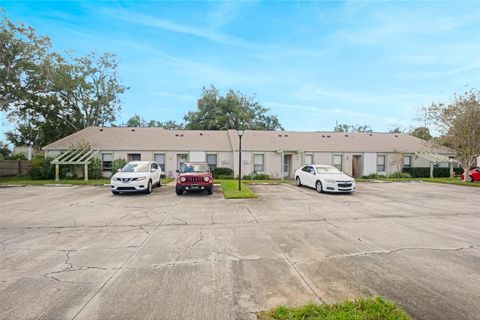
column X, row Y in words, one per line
column 95, row 169
column 41, row 169
column 424, row 172
column 118, row 164
column 374, row 176
column 256, row 176
column 261, row 176
column 402, row 175
column 217, row 172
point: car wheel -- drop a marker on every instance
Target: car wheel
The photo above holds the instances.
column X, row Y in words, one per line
column 149, row 187
column 179, row 192
column 318, row 187
column 209, row 191
column 471, row 179
column 115, row 192
column 298, row 182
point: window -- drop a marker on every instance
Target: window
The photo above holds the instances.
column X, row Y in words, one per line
column 134, row 157
column 407, row 161
column 107, row 159
column 380, row 163
column 154, row 166
column 160, row 158
column 212, row 161
column 337, row 161
column 258, row 163
column 309, row 159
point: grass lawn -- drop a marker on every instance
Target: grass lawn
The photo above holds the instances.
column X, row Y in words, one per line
column 361, row 309
column 455, row 181
column 230, row 190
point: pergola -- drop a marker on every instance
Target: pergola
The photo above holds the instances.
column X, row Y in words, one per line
column 76, row 157
column 436, row 158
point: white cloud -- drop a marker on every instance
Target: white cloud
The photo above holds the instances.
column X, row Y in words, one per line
column 206, row 33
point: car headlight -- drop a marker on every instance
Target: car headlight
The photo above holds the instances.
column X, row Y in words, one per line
column 330, row 180
column 183, row 179
column 141, row 178
column 206, row 179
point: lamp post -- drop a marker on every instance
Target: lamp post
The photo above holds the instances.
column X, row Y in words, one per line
column 240, row 134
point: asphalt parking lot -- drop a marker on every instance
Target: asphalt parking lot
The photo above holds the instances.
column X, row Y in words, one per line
column 81, row 253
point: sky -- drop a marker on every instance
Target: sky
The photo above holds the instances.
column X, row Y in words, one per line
column 311, row 63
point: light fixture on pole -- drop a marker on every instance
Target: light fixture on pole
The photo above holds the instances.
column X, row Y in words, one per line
column 240, row 134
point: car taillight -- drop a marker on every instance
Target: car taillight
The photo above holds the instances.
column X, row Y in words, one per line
column 206, row 179
column 183, row 179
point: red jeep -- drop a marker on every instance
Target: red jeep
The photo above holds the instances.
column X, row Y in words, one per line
column 194, row 176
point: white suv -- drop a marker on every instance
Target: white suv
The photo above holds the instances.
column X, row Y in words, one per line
column 137, row 176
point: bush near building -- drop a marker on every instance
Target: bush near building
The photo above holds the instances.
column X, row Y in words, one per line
column 437, row 172
column 222, row 173
column 41, row 169
column 118, row 164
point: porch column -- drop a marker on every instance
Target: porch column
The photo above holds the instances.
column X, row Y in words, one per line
column 57, row 172
column 85, row 173
column 451, row 169
column 281, row 166
column 431, row 169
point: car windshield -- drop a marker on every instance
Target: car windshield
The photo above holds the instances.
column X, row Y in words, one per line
column 195, row 167
column 135, row 167
column 323, row 170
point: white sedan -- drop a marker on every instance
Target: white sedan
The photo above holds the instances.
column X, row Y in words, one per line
column 324, row 178
column 137, row 176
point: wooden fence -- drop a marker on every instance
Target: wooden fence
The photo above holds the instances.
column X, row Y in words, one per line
column 10, row 168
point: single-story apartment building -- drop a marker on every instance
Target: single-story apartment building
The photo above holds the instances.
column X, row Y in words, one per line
column 276, row 153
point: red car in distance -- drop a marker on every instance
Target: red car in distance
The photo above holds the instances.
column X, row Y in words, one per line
column 474, row 175
column 194, row 176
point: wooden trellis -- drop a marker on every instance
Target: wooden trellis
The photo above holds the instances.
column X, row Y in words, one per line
column 76, row 157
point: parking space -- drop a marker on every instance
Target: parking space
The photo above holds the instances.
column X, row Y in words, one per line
column 82, row 253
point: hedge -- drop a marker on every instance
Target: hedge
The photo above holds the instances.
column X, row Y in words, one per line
column 422, row 172
column 224, row 172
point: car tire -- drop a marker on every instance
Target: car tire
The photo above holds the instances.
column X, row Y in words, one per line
column 298, row 182
column 179, row 192
column 319, row 187
column 115, row 192
column 149, row 187
column 471, row 179
column 210, row 191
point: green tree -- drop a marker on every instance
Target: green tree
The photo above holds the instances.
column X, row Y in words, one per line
column 459, row 124
column 136, row 121
column 48, row 96
column 168, row 125
column 395, row 130
column 343, row 127
column 422, row 133
column 5, row 151
column 232, row 111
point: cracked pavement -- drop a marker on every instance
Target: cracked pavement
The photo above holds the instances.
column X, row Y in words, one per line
column 80, row 253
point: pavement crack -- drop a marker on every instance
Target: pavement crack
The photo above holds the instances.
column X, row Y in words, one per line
column 201, row 238
column 181, row 220
column 387, row 252
column 287, row 259
column 228, row 254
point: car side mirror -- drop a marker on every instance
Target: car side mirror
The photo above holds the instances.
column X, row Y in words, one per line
column 177, row 171
column 153, row 170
